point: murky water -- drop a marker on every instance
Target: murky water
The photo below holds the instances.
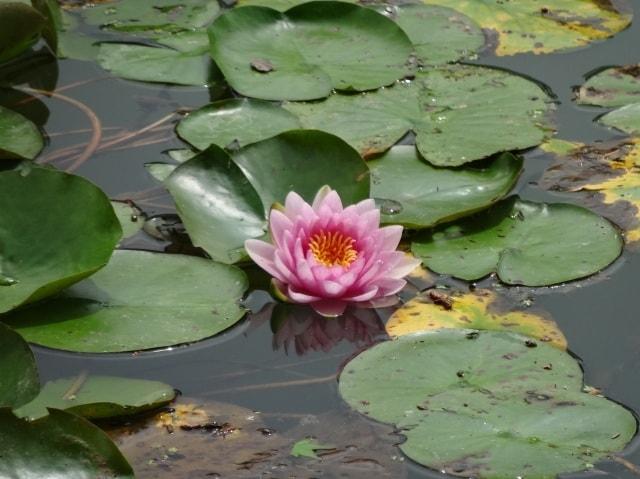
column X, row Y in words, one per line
column 243, row 366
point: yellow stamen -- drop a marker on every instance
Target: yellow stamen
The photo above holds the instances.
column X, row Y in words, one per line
column 333, row 248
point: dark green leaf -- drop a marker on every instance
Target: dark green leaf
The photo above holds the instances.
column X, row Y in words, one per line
column 60, row 445
column 20, row 27
column 57, row 229
column 19, row 381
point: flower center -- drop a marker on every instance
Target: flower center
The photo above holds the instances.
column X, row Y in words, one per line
column 333, row 248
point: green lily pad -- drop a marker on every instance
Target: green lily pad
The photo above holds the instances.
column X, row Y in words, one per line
column 224, row 199
column 19, row 137
column 57, row 229
column 489, row 404
column 129, row 217
column 307, row 51
column 152, row 17
column 418, row 195
column 140, row 300
column 612, row 87
column 179, row 59
column 529, row 26
column 50, row 10
column 459, row 113
column 19, row 381
column 235, row 122
column 439, row 34
column 626, row 118
column 98, row 397
column 20, row 27
column 533, row 244
column 59, row 445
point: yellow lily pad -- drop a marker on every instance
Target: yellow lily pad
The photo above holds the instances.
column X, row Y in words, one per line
column 480, row 309
column 608, row 178
column 531, row 26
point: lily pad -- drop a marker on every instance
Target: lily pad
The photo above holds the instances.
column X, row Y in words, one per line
column 604, row 177
column 439, row 35
column 459, row 113
column 69, row 226
column 224, row 199
column 19, row 381
column 529, row 26
column 534, row 244
column 235, row 123
column 489, row 404
column 612, row 87
column 140, row 300
column 98, row 397
column 312, row 48
column 59, row 445
column 179, row 59
column 480, row 309
column 152, row 17
column 20, row 27
column 626, row 118
column 421, row 195
column 19, row 137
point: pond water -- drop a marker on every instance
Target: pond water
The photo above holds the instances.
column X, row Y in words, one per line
column 243, row 366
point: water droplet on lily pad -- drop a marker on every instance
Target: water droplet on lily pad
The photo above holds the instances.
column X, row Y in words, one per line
column 388, row 207
column 7, row 280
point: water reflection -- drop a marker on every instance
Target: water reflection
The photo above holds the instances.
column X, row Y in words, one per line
column 299, row 328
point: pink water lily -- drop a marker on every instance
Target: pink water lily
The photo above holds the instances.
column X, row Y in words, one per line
column 329, row 256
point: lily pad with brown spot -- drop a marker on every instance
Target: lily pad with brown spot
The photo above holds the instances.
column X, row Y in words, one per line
column 604, row 177
column 481, row 309
column 612, row 87
column 520, row 26
column 486, row 404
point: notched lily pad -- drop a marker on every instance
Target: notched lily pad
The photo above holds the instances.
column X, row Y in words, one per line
column 71, row 227
column 480, row 309
column 130, row 217
column 140, row 300
column 531, row 26
column 605, row 177
column 486, row 404
column 19, row 137
column 235, row 122
column 459, row 113
column 413, row 193
column 153, row 17
column 98, row 397
column 533, row 244
column 307, row 51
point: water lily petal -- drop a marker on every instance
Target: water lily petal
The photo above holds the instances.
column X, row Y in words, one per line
column 329, row 308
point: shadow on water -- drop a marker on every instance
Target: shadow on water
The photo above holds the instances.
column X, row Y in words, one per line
column 285, row 363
